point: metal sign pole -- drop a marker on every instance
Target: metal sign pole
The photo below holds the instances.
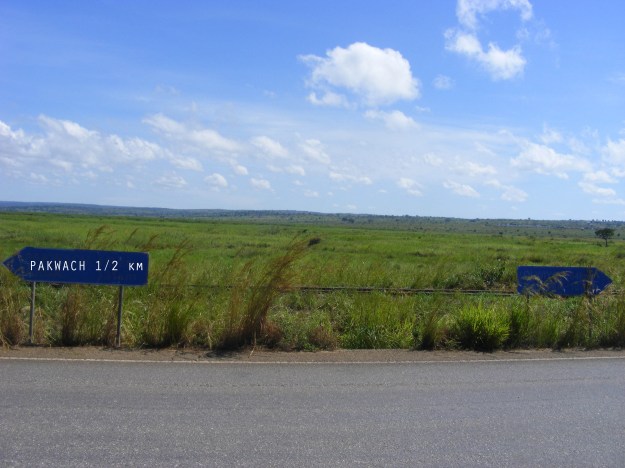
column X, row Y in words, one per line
column 118, row 338
column 32, row 312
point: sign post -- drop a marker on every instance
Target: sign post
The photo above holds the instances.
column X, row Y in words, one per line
column 75, row 266
column 561, row 281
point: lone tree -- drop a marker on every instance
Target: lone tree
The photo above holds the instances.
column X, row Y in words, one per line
column 605, row 234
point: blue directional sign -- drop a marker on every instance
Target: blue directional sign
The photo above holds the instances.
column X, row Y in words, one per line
column 80, row 266
column 561, row 281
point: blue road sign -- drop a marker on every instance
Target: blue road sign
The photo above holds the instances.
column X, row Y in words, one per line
column 80, row 266
column 561, row 281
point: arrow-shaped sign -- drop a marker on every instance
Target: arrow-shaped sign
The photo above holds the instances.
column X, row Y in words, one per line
column 80, row 266
column 561, row 281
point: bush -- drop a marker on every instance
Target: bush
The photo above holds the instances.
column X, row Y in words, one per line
column 480, row 328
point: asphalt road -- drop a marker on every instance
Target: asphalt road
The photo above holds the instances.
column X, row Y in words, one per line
column 505, row 413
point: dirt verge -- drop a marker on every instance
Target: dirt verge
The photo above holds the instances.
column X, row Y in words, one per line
column 269, row 356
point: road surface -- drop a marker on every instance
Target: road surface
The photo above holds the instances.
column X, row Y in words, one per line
column 564, row 412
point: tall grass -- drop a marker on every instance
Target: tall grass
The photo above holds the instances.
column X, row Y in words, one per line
column 480, row 328
column 226, row 284
column 255, row 291
column 13, row 328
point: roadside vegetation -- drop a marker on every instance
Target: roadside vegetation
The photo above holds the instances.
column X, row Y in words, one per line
column 231, row 283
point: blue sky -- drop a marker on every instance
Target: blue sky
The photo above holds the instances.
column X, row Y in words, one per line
column 467, row 108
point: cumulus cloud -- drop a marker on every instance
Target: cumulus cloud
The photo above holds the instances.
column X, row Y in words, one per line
column 509, row 192
column 67, row 146
column 594, row 189
column 550, row 135
column 500, row 64
column 190, row 164
column 375, row 76
column 545, row 160
column 614, row 152
column 328, row 98
column 269, row 147
column 410, row 186
column 202, row 138
column 432, row 159
column 469, row 11
column 171, row 181
column 216, row 181
column 394, row 120
column 474, row 169
column 239, row 169
column 340, row 177
column 260, row 184
column 591, row 180
column 461, row 189
column 315, row 150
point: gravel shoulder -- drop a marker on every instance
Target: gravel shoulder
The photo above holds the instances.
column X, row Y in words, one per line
column 270, row 356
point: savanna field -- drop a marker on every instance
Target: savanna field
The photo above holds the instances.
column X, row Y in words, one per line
column 227, row 282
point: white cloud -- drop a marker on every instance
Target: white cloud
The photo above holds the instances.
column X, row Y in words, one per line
column 376, row 76
column 410, row 186
column 260, row 184
column 394, row 120
column 461, row 189
column 68, row 146
column 509, row 192
column 239, row 169
column 500, row 64
column 270, row 147
column 614, row 152
column 550, row 136
column 339, row 177
column 514, row 194
column 432, row 160
column 590, row 181
column 203, row 138
column 545, row 160
column 217, row 181
column 65, row 127
column 289, row 169
column 468, row 11
column 171, row 181
column 329, row 99
column 191, row 164
column 38, row 178
column 594, row 189
column 474, row 169
column 315, row 150
column 599, row 177
column 295, row 169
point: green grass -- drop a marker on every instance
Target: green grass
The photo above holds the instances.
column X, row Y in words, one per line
column 231, row 283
